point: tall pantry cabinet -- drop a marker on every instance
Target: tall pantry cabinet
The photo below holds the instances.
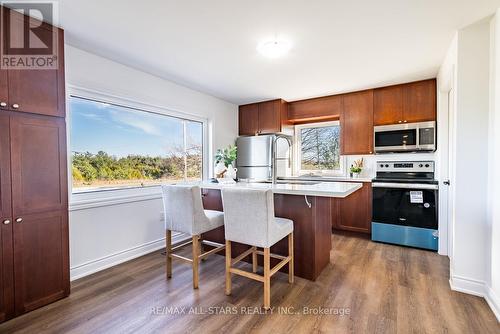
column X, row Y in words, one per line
column 34, row 250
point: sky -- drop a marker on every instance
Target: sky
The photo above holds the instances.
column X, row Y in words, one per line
column 121, row 131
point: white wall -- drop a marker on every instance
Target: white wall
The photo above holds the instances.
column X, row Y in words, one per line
column 115, row 227
column 468, row 69
column 471, row 155
column 446, row 85
column 493, row 282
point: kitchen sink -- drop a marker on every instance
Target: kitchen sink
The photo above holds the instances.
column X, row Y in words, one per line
column 306, row 183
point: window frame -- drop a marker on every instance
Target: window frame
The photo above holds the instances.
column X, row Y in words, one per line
column 127, row 193
column 297, row 152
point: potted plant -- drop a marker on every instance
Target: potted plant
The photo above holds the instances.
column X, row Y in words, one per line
column 224, row 160
column 356, row 168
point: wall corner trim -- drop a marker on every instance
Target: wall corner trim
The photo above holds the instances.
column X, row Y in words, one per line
column 477, row 288
column 493, row 301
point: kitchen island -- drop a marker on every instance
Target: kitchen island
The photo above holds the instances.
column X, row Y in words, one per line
column 308, row 205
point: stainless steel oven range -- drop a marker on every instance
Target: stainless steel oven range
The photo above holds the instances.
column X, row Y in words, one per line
column 405, row 204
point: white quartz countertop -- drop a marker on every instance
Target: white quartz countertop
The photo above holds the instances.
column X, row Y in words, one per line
column 322, row 189
column 327, row 178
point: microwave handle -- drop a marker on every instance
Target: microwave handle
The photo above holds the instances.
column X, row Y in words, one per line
column 417, row 141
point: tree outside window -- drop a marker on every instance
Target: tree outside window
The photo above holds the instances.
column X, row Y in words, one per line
column 319, row 148
column 115, row 147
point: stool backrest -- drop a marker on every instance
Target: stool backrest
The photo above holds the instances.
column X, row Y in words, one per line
column 248, row 215
column 183, row 207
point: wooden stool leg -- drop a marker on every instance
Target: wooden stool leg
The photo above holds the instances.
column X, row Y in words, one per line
column 254, row 260
column 202, row 250
column 228, row 267
column 290, row 253
column 168, row 248
column 196, row 260
column 267, row 279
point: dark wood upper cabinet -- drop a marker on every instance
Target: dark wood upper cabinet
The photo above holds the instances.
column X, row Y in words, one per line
column 38, row 175
column 38, row 91
column 4, row 90
column 358, row 113
column 407, row 103
column 354, row 213
column 6, row 250
column 39, row 202
column 263, row 117
column 315, row 110
column 269, row 117
column 34, row 238
column 388, row 105
column 248, row 119
column 5, row 179
column 419, row 102
column 42, row 98
column 356, row 122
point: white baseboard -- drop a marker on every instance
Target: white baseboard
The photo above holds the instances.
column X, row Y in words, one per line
column 493, row 301
column 477, row 288
column 467, row 285
column 114, row 259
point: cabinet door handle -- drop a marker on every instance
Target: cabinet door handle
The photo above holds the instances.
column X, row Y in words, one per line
column 3, row 104
column 404, row 121
column 6, row 222
column 19, row 220
column 309, row 204
column 400, row 121
column 15, row 106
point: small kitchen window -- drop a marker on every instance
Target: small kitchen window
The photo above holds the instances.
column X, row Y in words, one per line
column 317, row 149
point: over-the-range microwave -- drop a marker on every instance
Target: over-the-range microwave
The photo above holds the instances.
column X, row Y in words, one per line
column 407, row 137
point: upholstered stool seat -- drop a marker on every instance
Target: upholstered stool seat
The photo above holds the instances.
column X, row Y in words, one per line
column 249, row 219
column 184, row 213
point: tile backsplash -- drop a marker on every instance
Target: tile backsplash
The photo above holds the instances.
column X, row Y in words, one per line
column 370, row 161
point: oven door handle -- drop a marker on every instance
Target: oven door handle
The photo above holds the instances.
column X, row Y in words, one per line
column 405, row 185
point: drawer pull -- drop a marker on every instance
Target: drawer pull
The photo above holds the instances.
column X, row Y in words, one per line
column 3, row 104
column 6, row 222
column 15, row 106
column 19, row 220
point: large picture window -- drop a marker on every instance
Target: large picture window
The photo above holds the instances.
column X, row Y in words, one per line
column 116, row 147
column 318, row 149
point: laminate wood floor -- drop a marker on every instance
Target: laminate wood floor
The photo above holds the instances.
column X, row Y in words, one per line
column 367, row 288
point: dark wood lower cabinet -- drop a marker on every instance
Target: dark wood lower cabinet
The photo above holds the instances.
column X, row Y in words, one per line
column 354, row 213
column 312, row 231
column 34, row 212
column 6, row 272
column 39, row 167
column 41, row 263
column 6, row 248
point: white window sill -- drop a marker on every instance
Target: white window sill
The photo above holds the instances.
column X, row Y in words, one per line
column 95, row 199
column 325, row 173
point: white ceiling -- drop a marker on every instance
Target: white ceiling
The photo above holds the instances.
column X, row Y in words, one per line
column 338, row 45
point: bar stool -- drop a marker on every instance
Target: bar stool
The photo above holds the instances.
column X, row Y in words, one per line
column 184, row 213
column 249, row 219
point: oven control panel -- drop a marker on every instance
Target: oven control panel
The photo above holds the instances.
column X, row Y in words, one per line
column 405, row 166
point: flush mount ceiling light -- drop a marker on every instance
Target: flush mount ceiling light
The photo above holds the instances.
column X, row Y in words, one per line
column 274, row 48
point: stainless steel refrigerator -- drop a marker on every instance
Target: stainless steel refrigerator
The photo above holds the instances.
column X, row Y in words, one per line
column 261, row 156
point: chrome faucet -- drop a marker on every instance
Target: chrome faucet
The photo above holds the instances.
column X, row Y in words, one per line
column 275, row 158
